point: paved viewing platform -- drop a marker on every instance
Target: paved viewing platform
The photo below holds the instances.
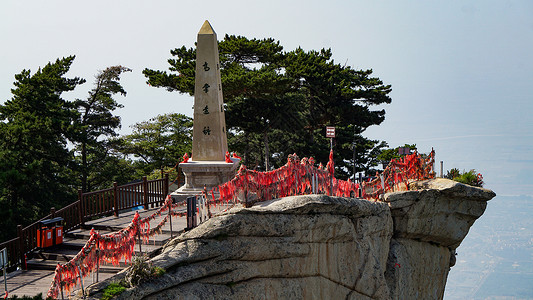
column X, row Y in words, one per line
column 38, row 277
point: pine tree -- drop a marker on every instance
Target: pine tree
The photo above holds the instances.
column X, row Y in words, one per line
column 35, row 162
column 96, row 123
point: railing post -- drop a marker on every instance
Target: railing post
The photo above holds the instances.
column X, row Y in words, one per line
column 81, row 281
column 195, row 212
column 52, row 212
column 80, row 207
column 140, row 241
column 115, row 198
column 331, row 186
column 165, row 187
column 170, row 217
column 145, row 192
column 97, row 259
column 191, row 212
column 21, row 246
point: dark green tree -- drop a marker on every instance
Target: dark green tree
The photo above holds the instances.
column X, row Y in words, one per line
column 96, row 123
column 157, row 143
column 337, row 95
column 35, row 162
column 289, row 98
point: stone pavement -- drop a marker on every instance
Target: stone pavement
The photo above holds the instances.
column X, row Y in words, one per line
column 38, row 278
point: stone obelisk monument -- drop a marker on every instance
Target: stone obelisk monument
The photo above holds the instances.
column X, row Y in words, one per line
column 209, row 143
column 209, row 133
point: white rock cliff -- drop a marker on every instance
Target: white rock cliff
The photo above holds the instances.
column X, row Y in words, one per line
column 320, row 247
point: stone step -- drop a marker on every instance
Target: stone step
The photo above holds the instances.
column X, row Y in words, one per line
column 56, row 253
column 44, row 264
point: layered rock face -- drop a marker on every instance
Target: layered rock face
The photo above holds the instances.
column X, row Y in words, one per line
column 320, row 247
column 430, row 221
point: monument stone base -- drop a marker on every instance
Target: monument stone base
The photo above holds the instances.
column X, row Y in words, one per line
column 200, row 174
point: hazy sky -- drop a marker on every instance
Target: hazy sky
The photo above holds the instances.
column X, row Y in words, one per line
column 461, row 71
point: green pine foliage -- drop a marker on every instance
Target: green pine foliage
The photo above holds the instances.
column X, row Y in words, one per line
column 157, row 143
column 471, row 177
column 36, row 166
column 389, row 154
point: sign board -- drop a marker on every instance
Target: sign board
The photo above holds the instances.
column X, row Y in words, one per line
column 3, row 258
column 330, row 132
column 404, row 151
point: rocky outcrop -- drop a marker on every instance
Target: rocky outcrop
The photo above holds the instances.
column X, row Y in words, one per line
column 320, row 247
column 430, row 221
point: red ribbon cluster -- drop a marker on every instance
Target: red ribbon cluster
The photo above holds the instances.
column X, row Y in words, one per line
column 108, row 248
column 297, row 177
column 398, row 173
column 294, row 178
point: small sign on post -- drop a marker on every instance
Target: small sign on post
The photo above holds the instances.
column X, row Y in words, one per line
column 330, row 133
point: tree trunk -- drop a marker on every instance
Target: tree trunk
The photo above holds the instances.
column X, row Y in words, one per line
column 267, row 151
column 246, row 147
column 84, row 167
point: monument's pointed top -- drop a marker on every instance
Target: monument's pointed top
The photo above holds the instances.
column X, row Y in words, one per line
column 206, row 28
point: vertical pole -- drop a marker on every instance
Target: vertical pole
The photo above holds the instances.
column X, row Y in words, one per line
column 80, row 206
column 353, row 145
column 441, row 168
column 360, row 192
column 170, row 217
column 246, row 198
column 145, row 192
column 206, row 202
column 61, row 286
column 316, row 183
column 140, row 242
column 331, row 179
column 21, row 246
column 194, row 212
column 312, row 183
column 331, row 185
column 81, row 282
column 5, row 275
column 189, row 205
column 296, row 185
column 52, row 212
column 165, row 186
column 4, row 265
column 115, row 199
column 97, row 259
